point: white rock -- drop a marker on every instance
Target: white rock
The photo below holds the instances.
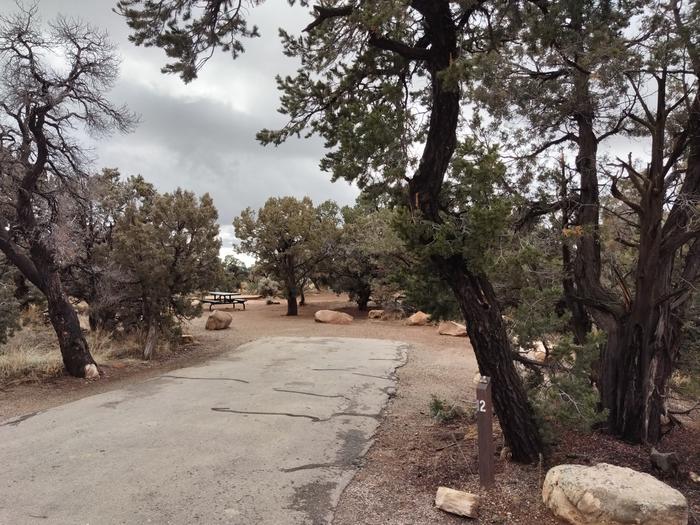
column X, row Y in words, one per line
column 218, row 320
column 332, row 317
column 91, row 372
column 457, row 502
column 611, row 495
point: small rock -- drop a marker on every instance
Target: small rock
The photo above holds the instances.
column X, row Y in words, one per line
column 457, row 502
column 91, row 372
column 218, row 321
column 375, row 314
column 332, row 317
column 418, row 319
column 611, row 495
column 187, row 339
column 506, row 454
column 666, row 462
column 452, row 328
column 476, row 379
column 695, row 478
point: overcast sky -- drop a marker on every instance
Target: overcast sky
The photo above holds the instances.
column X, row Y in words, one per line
column 201, row 136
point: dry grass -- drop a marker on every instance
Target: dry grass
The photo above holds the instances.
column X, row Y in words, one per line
column 32, row 354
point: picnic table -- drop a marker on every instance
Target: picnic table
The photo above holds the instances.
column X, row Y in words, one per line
column 232, row 298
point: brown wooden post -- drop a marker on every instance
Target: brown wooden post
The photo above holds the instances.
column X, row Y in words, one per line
column 484, row 422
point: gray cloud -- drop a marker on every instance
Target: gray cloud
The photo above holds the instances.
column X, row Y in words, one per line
column 201, row 136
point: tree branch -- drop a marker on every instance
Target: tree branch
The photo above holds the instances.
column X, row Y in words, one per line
column 325, row 13
column 406, row 51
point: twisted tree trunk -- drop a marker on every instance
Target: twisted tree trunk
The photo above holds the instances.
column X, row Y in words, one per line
column 473, row 292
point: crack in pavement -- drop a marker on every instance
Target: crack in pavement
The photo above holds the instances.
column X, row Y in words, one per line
column 18, row 420
column 370, row 375
column 208, row 378
column 311, row 466
column 315, row 419
column 309, row 393
column 353, row 414
column 232, row 411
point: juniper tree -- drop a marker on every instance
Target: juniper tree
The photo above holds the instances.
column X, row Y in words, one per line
column 368, row 251
column 176, row 239
column 41, row 164
column 290, row 238
column 578, row 76
column 380, row 82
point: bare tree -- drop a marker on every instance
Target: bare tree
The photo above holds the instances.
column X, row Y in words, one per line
column 52, row 82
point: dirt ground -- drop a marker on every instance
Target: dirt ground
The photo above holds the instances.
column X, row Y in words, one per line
column 412, row 454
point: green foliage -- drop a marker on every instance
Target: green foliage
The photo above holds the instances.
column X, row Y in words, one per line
column 188, row 30
column 443, row 411
column 424, row 290
column 9, row 306
column 290, row 238
column 175, row 237
column 234, row 273
column 475, row 211
column 266, row 287
column 686, row 380
column 139, row 255
column 563, row 393
column 367, row 252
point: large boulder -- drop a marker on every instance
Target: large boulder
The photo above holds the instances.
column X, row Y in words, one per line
column 609, row 495
column 332, row 317
column 218, row 320
column 452, row 328
column 418, row 319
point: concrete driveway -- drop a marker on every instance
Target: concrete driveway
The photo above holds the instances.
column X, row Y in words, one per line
column 270, row 433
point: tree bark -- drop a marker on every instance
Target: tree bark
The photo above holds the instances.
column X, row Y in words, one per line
column 74, row 347
column 292, row 307
column 362, row 300
column 644, row 335
column 479, row 305
column 40, row 269
column 149, row 349
column 474, row 293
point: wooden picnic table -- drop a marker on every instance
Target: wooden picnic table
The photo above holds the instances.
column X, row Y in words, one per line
column 232, row 298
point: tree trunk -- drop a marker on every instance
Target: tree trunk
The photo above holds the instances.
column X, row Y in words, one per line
column 635, row 391
column 292, row 307
column 580, row 322
column 149, row 349
column 642, row 351
column 363, row 298
column 362, row 301
column 302, row 301
column 74, row 348
column 474, row 293
column 479, row 305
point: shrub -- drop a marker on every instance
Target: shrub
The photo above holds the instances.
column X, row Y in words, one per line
column 443, row 411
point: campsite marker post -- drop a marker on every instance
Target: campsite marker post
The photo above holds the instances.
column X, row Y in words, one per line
column 484, row 422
